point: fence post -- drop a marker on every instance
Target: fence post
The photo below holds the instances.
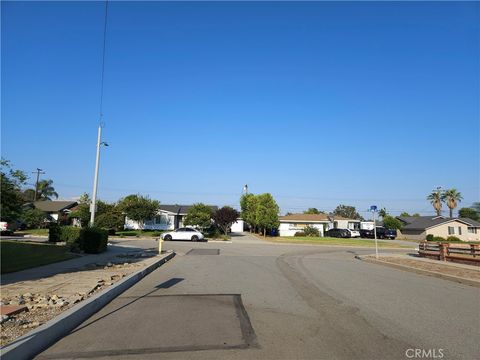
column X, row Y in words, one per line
column 443, row 251
column 473, row 249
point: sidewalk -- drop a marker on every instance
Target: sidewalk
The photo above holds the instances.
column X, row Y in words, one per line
column 468, row 274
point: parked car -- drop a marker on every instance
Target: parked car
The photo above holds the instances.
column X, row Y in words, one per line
column 354, row 233
column 339, row 233
column 8, row 228
column 183, row 234
column 382, row 233
column 4, row 228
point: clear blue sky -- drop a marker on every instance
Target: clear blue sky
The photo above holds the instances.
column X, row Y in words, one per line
column 317, row 103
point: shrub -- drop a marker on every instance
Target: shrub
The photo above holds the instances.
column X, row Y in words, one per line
column 34, row 218
column 299, row 233
column 311, row 231
column 453, row 239
column 430, row 237
column 53, row 233
column 93, row 240
column 71, row 236
column 438, row 238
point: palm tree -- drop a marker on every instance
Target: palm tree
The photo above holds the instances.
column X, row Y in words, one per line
column 45, row 190
column 436, row 200
column 382, row 212
column 452, row 197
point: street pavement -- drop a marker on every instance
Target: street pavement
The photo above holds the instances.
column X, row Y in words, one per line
column 250, row 299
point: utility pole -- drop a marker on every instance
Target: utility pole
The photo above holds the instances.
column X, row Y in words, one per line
column 38, row 172
column 93, row 205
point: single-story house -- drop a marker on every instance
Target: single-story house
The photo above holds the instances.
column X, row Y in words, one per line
column 169, row 217
column 55, row 210
column 418, row 227
column 292, row 223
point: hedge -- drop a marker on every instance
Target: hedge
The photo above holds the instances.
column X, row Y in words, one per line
column 430, row 237
column 90, row 240
column 93, row 240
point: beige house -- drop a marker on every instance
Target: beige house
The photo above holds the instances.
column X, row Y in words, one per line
column 418, row 227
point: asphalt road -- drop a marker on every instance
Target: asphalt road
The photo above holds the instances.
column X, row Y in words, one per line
column 256, row 300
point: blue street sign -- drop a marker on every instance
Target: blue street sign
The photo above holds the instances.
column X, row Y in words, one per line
column 373, row 208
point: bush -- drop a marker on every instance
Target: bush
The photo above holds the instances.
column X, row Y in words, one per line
column 34, row 218
column 438, row 238
column 93, row 240
column 299, row 233
column 311, row 231
column 430, row 237
column 69, row 234
column 453, row 239
column 54, row 233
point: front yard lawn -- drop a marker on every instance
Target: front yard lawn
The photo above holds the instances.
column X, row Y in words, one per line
column 18, row 256
column 333, row 241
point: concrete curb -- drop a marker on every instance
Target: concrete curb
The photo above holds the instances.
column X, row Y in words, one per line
column 436, row 274
column 34, row 342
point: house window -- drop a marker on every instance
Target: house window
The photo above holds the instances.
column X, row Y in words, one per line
column 161, row 220
column 472, row 230
column 149, row 222
column 459, row 230
column 451, row 230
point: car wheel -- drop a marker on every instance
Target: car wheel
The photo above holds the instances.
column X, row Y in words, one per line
column 168, row 238
column 194, row 238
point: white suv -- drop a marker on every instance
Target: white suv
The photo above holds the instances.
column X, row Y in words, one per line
column 354, row 233
column 183, row 234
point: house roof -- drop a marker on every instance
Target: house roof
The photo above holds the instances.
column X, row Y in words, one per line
column 54, row 206
column 426, row 222
column 312, row 218
column 181, row 209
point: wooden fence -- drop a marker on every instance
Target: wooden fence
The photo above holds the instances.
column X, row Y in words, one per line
column 455, row 252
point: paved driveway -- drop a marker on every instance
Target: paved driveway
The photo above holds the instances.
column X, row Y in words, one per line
column 254, row 300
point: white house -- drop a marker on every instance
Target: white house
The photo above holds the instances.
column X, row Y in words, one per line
column 237, row 226
column 169, row 217
column 292, row 223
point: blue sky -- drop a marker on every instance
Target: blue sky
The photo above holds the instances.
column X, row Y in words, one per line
column 318, row 103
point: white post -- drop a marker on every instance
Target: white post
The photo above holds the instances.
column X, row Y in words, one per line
column 160, row 241
column 95, row 179
column 375, row 235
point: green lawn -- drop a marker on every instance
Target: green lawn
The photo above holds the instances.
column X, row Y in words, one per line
column 139, row 233
column 18, row 256
column 43, row 232
column 332, row 241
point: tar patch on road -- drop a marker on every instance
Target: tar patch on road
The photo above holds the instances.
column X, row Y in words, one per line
column 158, row 324
column 204, row 252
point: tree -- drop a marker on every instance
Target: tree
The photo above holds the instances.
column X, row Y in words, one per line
column 139, row 208
column 476, row 207
column 82, row 211
column 225, row 217
column 11, row 199
column 405, row 214
column 29, row 195
column 435, row 198
column 469, row 213
column 34, row 218
column 266, row 214
column 382, row 212
column 113, row 218
column 389, row 222
column 199, row 215
column 416, row 215
column 312, row 211
column 248, row 205
column 452, row 197
column 45, row 190
column 311, row 231
column 348, row 212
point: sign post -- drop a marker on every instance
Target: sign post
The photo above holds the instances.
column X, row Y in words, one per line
column 373, row 209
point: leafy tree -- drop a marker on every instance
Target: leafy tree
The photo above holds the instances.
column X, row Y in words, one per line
column 82, row 211
column 248, row 205
column 347, row 211
column 112, row 218
column 312, row 211
column 29, row 195
column 416, row 215
column 405, row 214
column 389, row 222
column 266, row 213
column 46, row 190
column 452, row 197
column 11, row 199
column 34, row 218
column 225, row 217
column 139, row 208
column 476, row 207
column 469, row 213
column 382, row 212
column 199, row 215
column 435, row 198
